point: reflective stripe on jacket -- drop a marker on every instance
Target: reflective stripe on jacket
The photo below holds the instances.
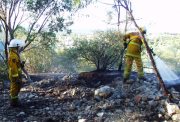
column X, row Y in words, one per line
column 134, row 47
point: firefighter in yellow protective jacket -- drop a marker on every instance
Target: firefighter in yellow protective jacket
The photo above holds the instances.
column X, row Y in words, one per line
column 133, row 42
column 15, row 73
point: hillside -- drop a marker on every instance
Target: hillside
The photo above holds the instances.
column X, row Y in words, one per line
column 65, row 98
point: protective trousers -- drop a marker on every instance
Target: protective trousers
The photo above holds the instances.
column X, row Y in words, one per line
column 15, row 86
column 128, row 66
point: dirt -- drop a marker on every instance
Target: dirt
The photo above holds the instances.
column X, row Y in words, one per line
column 66, row 98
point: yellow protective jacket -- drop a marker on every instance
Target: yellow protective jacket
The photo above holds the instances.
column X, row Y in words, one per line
column 134, row 46
column 14, row 64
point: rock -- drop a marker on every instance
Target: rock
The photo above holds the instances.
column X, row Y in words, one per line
column 82, row 120
column 21, row 114
column 31, row 96
column 73, row 92
column 72, row 107
column 104, row 91
column 47, row 108
column 88, row 108
column 176, row 117
column 118, row 93
column 172, row 108
column 161, row 110
column 152, row 103
column 128, row 110
column 167, row 117
column 100, row 114
column 67, row 77
column 4, row 119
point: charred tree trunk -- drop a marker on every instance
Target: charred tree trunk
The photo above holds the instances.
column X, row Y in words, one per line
column 121, row 60
column 123, row 50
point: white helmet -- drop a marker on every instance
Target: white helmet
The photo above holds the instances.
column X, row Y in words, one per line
column 16, row 43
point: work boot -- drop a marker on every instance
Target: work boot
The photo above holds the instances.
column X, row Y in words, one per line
column 141, row 79
column 15, row 103
column 126, row 81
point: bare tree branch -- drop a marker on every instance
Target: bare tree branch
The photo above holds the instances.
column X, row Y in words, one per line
column 44, row 22
column 16, row 15
column 118, row 8
column 32, row 26
column 2, row 23
column 33, row 47
column 22, row 20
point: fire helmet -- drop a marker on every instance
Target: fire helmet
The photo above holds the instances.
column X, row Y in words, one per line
column 16, row 43
column 143, row 30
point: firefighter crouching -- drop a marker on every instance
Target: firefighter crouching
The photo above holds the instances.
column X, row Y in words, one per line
column 133, row 42
column 15, row 72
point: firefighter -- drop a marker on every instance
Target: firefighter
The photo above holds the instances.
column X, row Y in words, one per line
column 133, row 42
column 15, row 72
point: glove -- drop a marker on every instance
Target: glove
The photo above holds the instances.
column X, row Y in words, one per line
column 125, row 45
column 151, row 50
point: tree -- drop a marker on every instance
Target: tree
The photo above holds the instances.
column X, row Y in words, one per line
column 37, row 16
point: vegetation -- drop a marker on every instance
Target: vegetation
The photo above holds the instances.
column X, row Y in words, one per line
column 167, row 47
column 39, row 23
column 102, row 49
column 79, row 57
column 38, row 16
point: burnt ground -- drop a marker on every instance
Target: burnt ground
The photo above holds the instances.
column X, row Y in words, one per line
column 67, row 98
column 105, row 77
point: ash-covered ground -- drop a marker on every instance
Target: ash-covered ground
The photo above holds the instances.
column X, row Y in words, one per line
column 65, row 98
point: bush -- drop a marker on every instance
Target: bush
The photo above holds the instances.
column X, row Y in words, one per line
column 102, row 49
column 39, row 59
